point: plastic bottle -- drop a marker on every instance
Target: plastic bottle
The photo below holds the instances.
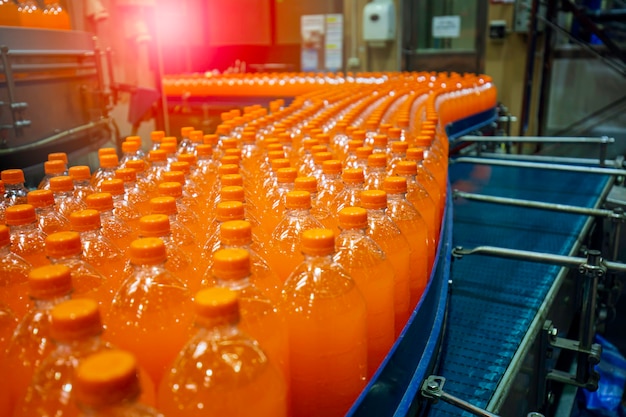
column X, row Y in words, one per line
column 414, row 228
column 9, row 15
column 427, row 180
column 351, row 158
column 284, row 245
column 243, row 381
column 190, row 191
column 158, row 165
column 376, row 171
column 350, row 196
column 48, row 218
column 330, row 185
column 206, row 170
column 48, row 286
column 14, row 190
column 180, row 233
column 134, row 195
column 318, row 210
column 98, row 250
column 185, row 214
column 150, row 309
column 328, row 364
column 362, row 153
column 66, row 201
column 75, row 328
column 27, row 240
column 169, row 147
column 285, row 180
column 143, row 182
column 51, row 169
column 390, row 238
column 113, row 227
column 186, row 145
column 398, row 154
column 55, row 17
column 130, row 150
column 361, row 257
column 107, row 384
column 8, row 324
column 139, row 153
column 65, row 248
column 122, row 208
column 156, row 136
column 109, row 162
column 14, row 272
column 3, row 204
column 81, row 175
column 237, row 193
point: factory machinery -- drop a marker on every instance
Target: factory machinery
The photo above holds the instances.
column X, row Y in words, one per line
column 528, row 266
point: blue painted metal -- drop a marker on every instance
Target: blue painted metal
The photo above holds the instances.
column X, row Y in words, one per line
column 469, row 124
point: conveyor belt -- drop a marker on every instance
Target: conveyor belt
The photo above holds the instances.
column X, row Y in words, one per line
column 493, row 301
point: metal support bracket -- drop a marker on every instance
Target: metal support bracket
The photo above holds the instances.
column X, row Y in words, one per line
column 432, row 388
column 17, row 108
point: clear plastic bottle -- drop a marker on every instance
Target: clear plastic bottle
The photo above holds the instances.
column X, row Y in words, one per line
column 31, row 343
column 243, row 381
column 376, row 171
column 285, row 180
column 318, row 210
column 190, row 192
column 182, row 235
column 130, row 150
column 169, row 147
column 141, row 173
column 27, row 240
column 14, row 190
column 3, row 203
column 390, row 238
column 224, row 212
column 156, row 136
column 185, row 215
column 109, row 162
column 427, row 180
column 398, row 154
column 134, row 195
column 150, row 309
column 66, row 201
column 14, row 272
column 81, row 175
column 65, row 248
column 366, row 262
column 48, row 218
column 113, row 227
column 414, row 228
column 158, row 165
column 107, row 384
column 76, row 329
column 51, row 169
column 330, row 185
column 362, row 153
column 350, row 161
column 328, row 364
column 8, row 324
column 206, row 171
column 122, row 208
column 186, row 145
column 98, row 250
column 284, row 247
column 350, row 196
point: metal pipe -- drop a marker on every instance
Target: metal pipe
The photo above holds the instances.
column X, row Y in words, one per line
column 539, row 165
column 563, row 208
column 46, row 52
column 8, row 75
column 552, row 159
column 464, row 405
column 588, row 316
column 533, row 139
column 51, row 67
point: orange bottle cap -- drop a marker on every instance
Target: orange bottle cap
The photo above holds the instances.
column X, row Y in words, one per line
column 323, row 138
column 154, row 225
column 298, row 200
column 168, row 147
column 61, row 183
column 100, row 201
column 406, row 168
column 373, row 199
column 147, row 251
column 371, row 124
column 169, row 139
column 354, row 144
column 58, row 156
column 163, row 205
column 50, row 281
column 285, row 138
column 318, row 242
column 5, row 236
column 236, row 232
column 217, row 302
column 196, row 136
column 353, row 218
column 2, row 189
column 231, row 180
column 83, row 220
column 226, row 169
column 136, row 139
column 384, row 128
column 156, row 136
column 318, row 148
column 364, row 151
column 306, row 184
column 320, row 157
column 40, row 198
column 380, row 141
column 109, row 161
column 423, row 141
column 377, row 160
column 353, row 175
column 173, row 176
column 230, row 160
column 229, row 210
column 316, row 131
column 172, row 189
column 286, row 175
column 403, row 122
column 223, row 129
column 130, row 147
column 106, row 151
column 62, row 244
column 399, row 146
column 234, row 152
column 204, row 150
column 126, row 174
column 332, row 166
column 75, row 320
column 279, row 154
column 415, row 154
column 233, row 193
column 157, row 155
column 310, row 143
column 359, row 135
column 80, row 172
column 12, row 176
column 185, row 132
column 55, row 166
column 248, row 136
column 210, row 139
column 107, row 377
column 20, row 214
column 137, row 165
column 188, row 158
column 114, row 186
column 280, row 163
column 231, row 264
column 395, row 185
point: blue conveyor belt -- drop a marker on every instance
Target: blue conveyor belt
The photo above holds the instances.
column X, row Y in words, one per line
column 493, row 301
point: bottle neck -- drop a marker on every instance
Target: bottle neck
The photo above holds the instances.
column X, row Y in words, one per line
column 48, row 304
column 82, row 346
column 234, row 284
column 24, row 228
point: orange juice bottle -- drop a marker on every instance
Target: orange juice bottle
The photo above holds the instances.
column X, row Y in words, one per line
column 113, row 227
column 318, row 210
column 109, row 162
column 134, row 195
column 367, row 264
column 158, row 165
column 55, row 17
column 51, row 169
column 66, row 200
column 122, row 208
column 185, row 213
column 189, row 196
column 140, row 167
column 427, row 180
column 150, row 309
column 48, row 218
column 75, row 328
column 376, row 171
column 109, row 383
column 398, row 153
column 350, row 160
column 14, row 272
column 3, row 203
column 30, row 344
column 253, row 386
column 285, row 180
column 27, row 240
column 354, row 183
column 260, row 317
column 390, row 238
column 206, row 170
column 81, row 175
column 182, row 235
column 14, row 190
column 414, row 228
column 330, row 185
column 328, row 364
column 156, row 136
column 8, row 324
